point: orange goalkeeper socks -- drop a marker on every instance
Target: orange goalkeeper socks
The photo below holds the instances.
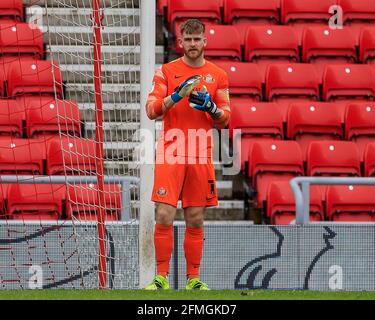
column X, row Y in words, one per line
column 163, row 241
column 193, row 246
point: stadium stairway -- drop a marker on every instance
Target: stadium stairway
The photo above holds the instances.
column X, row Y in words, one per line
column 67, row 43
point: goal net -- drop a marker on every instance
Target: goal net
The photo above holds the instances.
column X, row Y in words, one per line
column 70, row 95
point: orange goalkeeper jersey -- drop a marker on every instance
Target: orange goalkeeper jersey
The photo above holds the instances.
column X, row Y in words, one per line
column 187, row 131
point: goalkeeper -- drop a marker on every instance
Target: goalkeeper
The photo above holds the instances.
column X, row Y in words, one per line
column 189, row 93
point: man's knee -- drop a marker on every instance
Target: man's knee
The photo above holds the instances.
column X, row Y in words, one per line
column 194, row 217
column 165, row 214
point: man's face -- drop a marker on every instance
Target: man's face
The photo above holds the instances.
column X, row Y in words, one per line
column 193, row 44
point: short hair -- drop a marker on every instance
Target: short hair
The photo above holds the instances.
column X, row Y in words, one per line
column 192, row 26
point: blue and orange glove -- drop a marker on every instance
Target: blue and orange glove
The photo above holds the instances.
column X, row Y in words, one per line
column 201, row 100
column 185, row 88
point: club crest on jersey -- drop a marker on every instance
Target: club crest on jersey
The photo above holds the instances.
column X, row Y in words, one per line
column 208, row 78
column 162, row 192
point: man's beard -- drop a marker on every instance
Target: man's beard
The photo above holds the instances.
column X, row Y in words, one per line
column 196, row 56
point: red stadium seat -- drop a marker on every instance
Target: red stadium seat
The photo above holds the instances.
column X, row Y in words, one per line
column 281, row 208
column 70, row 156
column 286, row 83
column 83, row 202
column 300, row 14
column 180, row 10
column 3, row 199
column 11, row 116
column 34, row 76
column 20, row 39
column 50, row 116
column 273, row 160
column 350, row 203
column 161, row 6
column 36, row 201
column 367, row 45
column 307, row 121
column 21, row 156
column 223, row 42
column 244, row 79
column 333, row 158
column 257, row 121
column 244, row 13
column 270, row 44
column 11, row 9
column 350, row 81
column 358, row 13
column 369, row 160
column 360, row 124
column 322, row 46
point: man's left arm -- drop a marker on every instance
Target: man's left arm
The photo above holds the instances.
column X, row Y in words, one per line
column 221, row 99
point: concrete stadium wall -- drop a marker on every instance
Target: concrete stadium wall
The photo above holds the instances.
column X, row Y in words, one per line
column 236, row 256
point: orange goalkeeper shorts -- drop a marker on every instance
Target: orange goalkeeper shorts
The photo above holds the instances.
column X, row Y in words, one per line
column 193, row 184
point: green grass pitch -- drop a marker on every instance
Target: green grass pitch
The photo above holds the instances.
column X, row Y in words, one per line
column 52, row 294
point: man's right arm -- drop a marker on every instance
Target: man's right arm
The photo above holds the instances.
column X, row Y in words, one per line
column 158, row 102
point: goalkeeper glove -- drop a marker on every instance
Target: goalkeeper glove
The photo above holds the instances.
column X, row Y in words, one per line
column 201, row 100
column 185, row 88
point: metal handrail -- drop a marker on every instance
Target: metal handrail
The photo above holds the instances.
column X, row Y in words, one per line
column 301, row 190
column 125, row 182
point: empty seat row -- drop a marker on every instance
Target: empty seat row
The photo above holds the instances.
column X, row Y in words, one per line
column 38, row 115
column 342, row 203
column 305, row 122
column 262, row 44
column 285, row 82
column 275, row 160
column 250, row 12
column 49, row 155
column 58, row 201
column 11, row 10
column 30, row 76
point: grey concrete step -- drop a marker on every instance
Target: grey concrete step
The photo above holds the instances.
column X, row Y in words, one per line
column 83, row 3
column 111, row 55
column 70, row 16
column 83, row 35
column 129, row 112
column 111, row 93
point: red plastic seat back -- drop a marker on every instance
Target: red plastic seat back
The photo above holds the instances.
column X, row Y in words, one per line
column 70, row 155
column 34, row 77
column 281, row 208
column 11, row 117
column 351, row 81
column 244, row 79
column 297, row 11
column 369, row 160
column 11, row 9
column 21, row 156
column 358, row 11
column 223, row 42
column 350, row 203
column 52, row 117
column 185, row 9
column 270, row 42
column 333, row 158
column 36, row 201
column 266, row 10
column 257, row 119
column 367, row 45
column 323, row 42
column 20, row 39
column 83, row 202
column 292, row 80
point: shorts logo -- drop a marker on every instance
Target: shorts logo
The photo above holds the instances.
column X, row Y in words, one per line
column 208, row 78
column 162, row 192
